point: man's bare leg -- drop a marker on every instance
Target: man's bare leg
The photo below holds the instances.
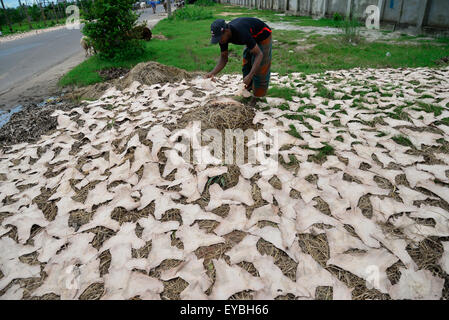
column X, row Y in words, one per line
column 253, row 101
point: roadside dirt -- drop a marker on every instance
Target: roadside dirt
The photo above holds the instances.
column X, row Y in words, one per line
column 32, row 122
column 113, row 73
column 21, row 35
column 39, row 87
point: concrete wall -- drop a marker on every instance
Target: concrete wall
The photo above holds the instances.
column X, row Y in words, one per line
column 410, row 12
column 336, row 6
column 438, row 14
column 419, row 13
column 392, row 10
column 359, row 7
column 317, row 7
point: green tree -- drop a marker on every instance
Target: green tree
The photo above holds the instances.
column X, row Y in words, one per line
column 35, row 13
column 109, row 27
column 6, row 16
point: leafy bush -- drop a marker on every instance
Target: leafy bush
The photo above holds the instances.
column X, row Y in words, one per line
column 205, row 3
column 337, row 17
column 351, row 32
column 191, row 12
column 109, row 26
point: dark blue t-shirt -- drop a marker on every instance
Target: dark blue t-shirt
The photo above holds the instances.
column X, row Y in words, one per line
column 247, row 31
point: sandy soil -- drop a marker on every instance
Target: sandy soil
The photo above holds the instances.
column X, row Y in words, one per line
column 230, row 13
column 369, row 35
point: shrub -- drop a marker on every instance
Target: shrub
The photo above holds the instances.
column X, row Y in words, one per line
column 191, row 12
column 141, row 32
column 337, row 17
column 351, row 32
column 109, row 26
column 205, row 3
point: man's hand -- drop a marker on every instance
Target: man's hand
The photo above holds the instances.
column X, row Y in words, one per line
column 209, row 75
column 247, row 81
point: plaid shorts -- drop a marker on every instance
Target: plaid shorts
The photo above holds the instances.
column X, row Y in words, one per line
column 261, row 79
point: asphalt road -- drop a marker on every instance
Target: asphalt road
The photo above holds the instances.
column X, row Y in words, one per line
column 31, row 66
column 24, row 58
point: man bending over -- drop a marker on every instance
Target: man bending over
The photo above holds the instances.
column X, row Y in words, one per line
column 256, row 36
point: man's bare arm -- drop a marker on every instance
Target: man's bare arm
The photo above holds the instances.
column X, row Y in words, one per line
column 258, row 56
column 220, row 65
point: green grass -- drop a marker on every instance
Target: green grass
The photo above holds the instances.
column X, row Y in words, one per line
column 444, row 121
column 294, row 132
column 303, row 108
column 399, row 113
column 185, row 48
column 283, row 107
column 323, row 152
column 204, row 3
column 188, row 47
column 336, row 123
column 282, row 92
column 294, row 117
column 443, row 40
column 192, row 13
column 24, row 26
column 313, row 117
column 402, row 140
column 430, row 108
column 322, row 22
column 322, row 91
column 272, row 16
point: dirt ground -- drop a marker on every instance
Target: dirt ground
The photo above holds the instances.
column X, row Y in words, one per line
column 40, row 87
column 31, row 122
column 369, row 35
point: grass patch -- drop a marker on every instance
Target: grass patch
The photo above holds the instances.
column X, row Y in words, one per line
column 399, row 114
column 303, row 108
column 351, row 32
column 36, row 25
column 283, row 107
column 325, row 151
column 188, row 47
column 402, row 140
column 324, row 92
column 294, row 117
column 322, row 153
column 282, row 92
column 444, row 121
column 430, row 108
column 205, row 3
column 293, row 132
column 192, row 13
column 336, row 123
column 313, row 117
